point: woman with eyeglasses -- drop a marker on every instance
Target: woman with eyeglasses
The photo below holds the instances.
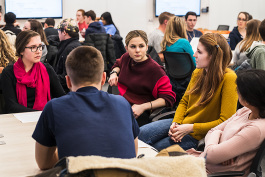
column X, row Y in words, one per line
column 36, row 26
column 239, row 32
column 28, row 84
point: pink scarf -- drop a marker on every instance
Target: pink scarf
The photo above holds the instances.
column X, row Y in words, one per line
column 37, row 77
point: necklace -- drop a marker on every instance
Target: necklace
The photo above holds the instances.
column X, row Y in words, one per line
column 193, row 34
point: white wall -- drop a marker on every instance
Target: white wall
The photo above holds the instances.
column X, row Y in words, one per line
column 225, row 11
column 139, row 14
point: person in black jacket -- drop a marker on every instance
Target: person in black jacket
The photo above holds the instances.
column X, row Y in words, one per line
column 69, row 39
column 94, row 27
column 10, row 19
column 104, row 44
column 49, row 27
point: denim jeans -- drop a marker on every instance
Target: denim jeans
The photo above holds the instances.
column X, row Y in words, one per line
column 156, row 135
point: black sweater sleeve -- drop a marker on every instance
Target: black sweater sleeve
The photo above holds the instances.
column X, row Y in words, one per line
column 9, row 92
column 55, row 86
column 9, row 81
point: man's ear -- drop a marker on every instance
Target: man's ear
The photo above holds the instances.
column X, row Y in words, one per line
column 126, row 48
column 103, row 80
column 165, row 22
column 68, row 82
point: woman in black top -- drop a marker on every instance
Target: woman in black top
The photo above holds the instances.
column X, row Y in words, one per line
column 239, row 32
column 28, row 84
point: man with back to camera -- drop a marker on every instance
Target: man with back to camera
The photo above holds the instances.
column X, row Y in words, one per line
column 69, row 39
column 94, row 27
column 86, row 121
column 10, row 19
column 191, row 20
column 49, row 27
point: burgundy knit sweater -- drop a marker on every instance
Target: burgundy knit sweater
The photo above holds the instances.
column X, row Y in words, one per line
column 141, row 82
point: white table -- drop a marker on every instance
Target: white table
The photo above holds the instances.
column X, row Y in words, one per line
column 17, row 156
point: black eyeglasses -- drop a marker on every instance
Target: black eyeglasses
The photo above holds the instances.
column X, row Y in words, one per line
column 35, row 48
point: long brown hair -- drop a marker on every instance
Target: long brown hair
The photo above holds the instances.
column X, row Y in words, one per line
column 37, row 27
column 175, row 30
column 7, row 51
column 252, row 34
column 208, row 81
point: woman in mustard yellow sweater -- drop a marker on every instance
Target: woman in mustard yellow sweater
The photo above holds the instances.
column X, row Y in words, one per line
column 209, row 100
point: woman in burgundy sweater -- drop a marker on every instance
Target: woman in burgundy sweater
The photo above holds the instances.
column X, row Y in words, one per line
column 140, row 79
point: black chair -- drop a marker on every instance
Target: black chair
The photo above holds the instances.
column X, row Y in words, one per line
column 255, row 168
column 154, row 55
column 179, row 67
column 223, row 28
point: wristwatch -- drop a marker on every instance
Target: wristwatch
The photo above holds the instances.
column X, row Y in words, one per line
column 113, row 71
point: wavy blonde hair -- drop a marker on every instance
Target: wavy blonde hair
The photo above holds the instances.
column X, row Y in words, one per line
column 176, row 29
column 208, row 81
column 252, row 34
column 7, row 51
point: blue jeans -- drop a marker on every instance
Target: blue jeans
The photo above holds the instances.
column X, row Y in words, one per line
column 156, row 135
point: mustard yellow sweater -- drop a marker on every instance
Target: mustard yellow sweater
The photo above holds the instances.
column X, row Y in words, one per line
column 222, row 106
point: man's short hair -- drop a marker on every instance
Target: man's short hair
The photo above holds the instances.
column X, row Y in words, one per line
column 190, row 13
column 91, row 14
column 69, row 26
column 164, row 16
column 85, row 64
column 10, row 17
column 262, row 30
column 50, row 22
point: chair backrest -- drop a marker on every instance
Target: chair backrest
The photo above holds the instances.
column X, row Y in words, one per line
column 223, row 27
column 256, row 163
column 154, row 55
column 113, row 90
column 179, row 65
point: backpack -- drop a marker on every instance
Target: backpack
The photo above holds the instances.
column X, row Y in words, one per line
column 11, row 36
